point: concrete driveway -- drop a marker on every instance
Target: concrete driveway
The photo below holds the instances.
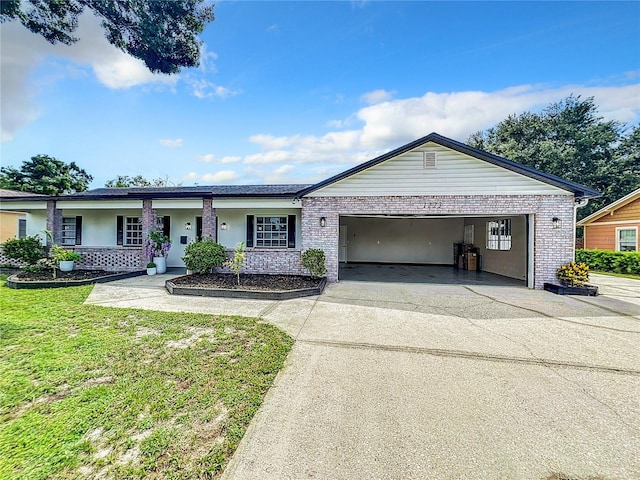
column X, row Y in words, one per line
column 410, row 381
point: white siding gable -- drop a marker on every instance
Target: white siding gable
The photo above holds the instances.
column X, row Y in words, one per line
column 454, row 174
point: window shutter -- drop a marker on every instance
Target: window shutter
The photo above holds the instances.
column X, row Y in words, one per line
column 78, row 230
column 198, row 228
column 291, row 230
column 249, row 241
column 120, row 230
column 166, row 226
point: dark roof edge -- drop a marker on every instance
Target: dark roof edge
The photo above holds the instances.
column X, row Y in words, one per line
column 143, row 196
column 580, row 191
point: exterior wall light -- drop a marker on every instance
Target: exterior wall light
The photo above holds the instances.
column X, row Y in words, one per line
column 323, row 222
column 223, row 226
column 187, row 226
column 556, row 222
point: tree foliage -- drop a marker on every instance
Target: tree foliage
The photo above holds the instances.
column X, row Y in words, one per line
column 124, row 181
column 162, row 33
column 46, row 175
column 571, row 140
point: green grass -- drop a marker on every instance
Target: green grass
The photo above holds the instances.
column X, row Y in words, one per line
column 88, row 391
column 620, row 275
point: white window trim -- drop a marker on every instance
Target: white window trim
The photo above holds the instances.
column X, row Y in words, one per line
column 125, row 239
column 73, row 237
column 618, row 229
column 500, row 239
column 270, row 247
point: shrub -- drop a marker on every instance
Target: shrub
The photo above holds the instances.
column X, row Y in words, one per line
column 608, row 261
column 201, row 257
column 573, row 274
column 151, row 265
column 236, row 263
column 314, row 261
column 28, row 250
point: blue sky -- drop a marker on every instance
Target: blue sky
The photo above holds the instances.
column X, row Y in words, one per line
column 293, row 92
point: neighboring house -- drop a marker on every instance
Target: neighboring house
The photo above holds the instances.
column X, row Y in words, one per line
column 407, row 206
column 614, row 227
column 13, row 224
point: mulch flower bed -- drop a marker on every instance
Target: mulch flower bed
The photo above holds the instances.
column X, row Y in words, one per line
column 247, row 282
column 46, row 276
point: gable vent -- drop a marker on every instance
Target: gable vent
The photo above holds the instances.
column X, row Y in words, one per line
column 428, row 159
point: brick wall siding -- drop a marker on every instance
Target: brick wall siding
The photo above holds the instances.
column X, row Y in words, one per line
column 552, row 247
column 111, row 259
column 270, row 262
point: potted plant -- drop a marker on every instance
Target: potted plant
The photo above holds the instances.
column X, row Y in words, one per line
column 64, row 258
column 151, row 268
column 157, row 246
column 573, row 277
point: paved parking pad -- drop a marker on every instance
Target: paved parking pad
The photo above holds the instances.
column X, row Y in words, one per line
column 411, row 381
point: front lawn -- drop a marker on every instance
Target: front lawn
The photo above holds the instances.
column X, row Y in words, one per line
column 88, row 391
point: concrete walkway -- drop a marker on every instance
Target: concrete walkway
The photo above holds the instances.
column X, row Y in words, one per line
column 418, row 381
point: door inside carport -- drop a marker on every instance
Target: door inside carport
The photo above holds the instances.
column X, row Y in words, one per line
column 420, row 240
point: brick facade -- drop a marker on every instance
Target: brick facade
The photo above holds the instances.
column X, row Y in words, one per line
column 273, row 261
column 111, row 259
column 552, row 247
column 209, row 227
column 54, row 222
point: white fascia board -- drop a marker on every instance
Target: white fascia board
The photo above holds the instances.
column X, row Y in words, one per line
column 23, row 206
column 253, row 203
column 98, row 204
column 178, row 204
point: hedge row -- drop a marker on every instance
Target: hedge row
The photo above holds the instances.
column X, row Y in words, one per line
column 607, row 261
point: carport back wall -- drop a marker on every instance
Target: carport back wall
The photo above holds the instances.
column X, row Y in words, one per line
column 552, row 247
column 402, row 240
column 510, row 263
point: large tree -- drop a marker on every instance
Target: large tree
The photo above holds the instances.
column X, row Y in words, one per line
column 162, row 33
column 571, row 140
column 46, row 175
column 124, row 181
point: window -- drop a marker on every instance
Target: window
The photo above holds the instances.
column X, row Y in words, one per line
column 627, row 239
column 499, row 234
column 22, row 228
column 133, row 231
column 68, row 230
column 271, row 232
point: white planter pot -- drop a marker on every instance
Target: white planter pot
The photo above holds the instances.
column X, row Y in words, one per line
column 66, row 265
column 161, row 264
column 151, row 271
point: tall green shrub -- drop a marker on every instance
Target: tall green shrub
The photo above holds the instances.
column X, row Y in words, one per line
column 314, row 261
column 203, row 256
column 28, row 250
column 607, row 261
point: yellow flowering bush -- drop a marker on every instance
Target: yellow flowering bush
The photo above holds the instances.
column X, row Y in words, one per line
column 573, row 274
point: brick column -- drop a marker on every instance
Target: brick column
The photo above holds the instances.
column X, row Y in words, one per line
column 54, row 222
column 148, row 224
column 209, row 227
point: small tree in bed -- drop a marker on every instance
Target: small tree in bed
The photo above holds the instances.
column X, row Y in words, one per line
column 236, row 263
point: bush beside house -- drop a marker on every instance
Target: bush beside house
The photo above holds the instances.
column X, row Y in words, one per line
column 607, row 261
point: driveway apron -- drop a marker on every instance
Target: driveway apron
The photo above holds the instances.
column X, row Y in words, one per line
column 406, row 381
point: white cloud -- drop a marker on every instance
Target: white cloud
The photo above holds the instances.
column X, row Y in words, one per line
column 457, row 115
column 222, row 176
column 167, row 142
column 282, row 174
column 202, row 88
column 376, row 96
column 23, row 51
column 211, row 158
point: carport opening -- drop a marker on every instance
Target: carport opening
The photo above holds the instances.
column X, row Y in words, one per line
column 445, row 249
